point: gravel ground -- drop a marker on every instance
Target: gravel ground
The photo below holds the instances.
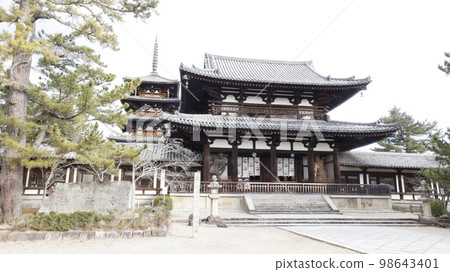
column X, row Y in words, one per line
column 211, row 239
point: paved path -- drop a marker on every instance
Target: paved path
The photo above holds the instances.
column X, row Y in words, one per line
column 381, row 240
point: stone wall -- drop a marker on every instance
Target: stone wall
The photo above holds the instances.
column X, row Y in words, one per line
column 92, row 196
column 362, row 202
column 226, row 201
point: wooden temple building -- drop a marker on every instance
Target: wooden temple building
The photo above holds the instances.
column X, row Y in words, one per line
column 258, row 122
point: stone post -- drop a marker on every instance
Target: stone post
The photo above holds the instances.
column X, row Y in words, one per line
column 425, row 197
column 196, row 208
column 214, row 196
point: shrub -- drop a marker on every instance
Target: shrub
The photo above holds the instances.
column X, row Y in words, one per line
column 54, row 221
column 437, row 208
column 161, row 216
column 163, row 201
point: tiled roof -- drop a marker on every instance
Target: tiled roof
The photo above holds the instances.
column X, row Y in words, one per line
column 134, row 139
column 387, row 160
column 218, row 121
column 147, row 99
column 160, row 152
column 267, row 71
column 153, row 78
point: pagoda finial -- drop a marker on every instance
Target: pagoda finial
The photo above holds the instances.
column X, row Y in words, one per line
column 155, row 57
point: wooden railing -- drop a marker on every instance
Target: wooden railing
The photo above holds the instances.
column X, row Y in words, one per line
column 315, row 112
column 153, row 95
column 296, row 188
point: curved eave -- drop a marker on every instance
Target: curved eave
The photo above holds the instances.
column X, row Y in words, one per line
column 356, row 84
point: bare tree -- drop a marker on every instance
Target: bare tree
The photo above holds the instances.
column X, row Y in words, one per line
column 170, row 156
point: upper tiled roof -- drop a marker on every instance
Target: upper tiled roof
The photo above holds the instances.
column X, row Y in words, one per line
column 387, row 160
column 267, row 71
column 153, row 78
column 278, row 124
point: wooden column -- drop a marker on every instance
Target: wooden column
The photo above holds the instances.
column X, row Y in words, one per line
column 206, row 162
column 400, row 184
column 311, row 164
column 234, row 161
column 299, row 168
column 273, row 163
column 336, row 166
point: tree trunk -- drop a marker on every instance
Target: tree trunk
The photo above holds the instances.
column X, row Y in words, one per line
column 12, row 172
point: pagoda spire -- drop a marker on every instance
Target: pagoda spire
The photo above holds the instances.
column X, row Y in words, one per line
column 155, row 57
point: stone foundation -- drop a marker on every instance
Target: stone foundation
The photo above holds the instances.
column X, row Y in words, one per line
column 362, row 202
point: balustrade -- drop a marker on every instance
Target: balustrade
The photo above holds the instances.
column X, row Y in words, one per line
column 296, row 188
column 314, row 112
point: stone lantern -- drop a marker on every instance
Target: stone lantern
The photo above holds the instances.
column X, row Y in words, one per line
column 214, row 196
column 425, row 197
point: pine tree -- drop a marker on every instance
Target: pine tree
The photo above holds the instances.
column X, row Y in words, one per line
column 73, row 88
column 446, row 66
column 413, row 136
column 441, row 175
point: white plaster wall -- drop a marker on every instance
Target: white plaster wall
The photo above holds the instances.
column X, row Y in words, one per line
column 284, row 146
column 220, row 143
column 246, row 145
column 254, row 100
column 299, row 147
column 305, row 102
column 262, row 145
column 323, row 147
column 281, row 101
column 230, row 98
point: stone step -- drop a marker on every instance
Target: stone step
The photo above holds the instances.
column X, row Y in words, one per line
column 319, row 221
column 324, row 224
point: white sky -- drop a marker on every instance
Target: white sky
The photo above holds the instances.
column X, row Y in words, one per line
column 398, row 43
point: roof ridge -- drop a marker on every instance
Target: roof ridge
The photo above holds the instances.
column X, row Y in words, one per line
column 329, row 77
column 257, row 60
column 386, row 153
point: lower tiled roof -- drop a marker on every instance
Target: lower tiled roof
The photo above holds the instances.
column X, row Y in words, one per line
column 277, row 124
column 389, row 160
column 159, row 151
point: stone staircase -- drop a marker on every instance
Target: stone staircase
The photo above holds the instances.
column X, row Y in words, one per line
column 320, row 221
column 288, row 203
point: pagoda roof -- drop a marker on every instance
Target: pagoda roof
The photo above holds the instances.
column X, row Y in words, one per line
column 389, row 160
column 271, row 124
column 268, row 71
column 153, row 78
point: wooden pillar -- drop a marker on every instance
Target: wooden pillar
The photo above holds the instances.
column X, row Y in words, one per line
column 273, row 163
column 336, row 166
column 234, row 161
column 400, row 184
column 311, row 165
column 206, row 162
column 299, row 168
column 365, row 176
